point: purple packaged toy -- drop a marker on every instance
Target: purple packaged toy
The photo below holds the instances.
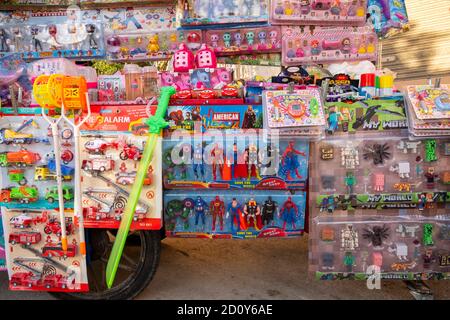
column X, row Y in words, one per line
column 247, row 40
column 318, row 12
column 325, row 44
column 210, row 78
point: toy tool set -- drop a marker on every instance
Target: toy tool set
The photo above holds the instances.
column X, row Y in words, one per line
column 318, row 12
column 206, row 12
column 226, row 215
column 244, row 40
column 69, row 34
column 234, row 163
column 111, row 150
column 382, row 203
column 325, row 44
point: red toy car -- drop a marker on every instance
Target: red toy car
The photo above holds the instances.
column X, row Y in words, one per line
column 25, row 237
column 207, row 94
column 54, row 281
column 130, row 152
column 98, row 146
column 53, row 226
column 230, row 92
column 183, row 94
column 26, row 279
column 52, row 250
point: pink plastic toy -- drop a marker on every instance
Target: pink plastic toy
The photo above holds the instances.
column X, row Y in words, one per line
column 318, row 12
column 183, row 59
column 326, row 44
column 378, row 182
column 205, row 58
column 206, row 78
column 180, row 81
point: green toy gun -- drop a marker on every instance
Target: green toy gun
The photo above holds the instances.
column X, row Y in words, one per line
column 156, row 123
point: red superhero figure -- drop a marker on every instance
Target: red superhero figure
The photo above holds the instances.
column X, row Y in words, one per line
column 289, row 161
column 217, row 208
column 217, row 159
column 288, row 213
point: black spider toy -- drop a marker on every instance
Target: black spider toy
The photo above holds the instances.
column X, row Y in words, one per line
column 377, row 152
column 376, row 235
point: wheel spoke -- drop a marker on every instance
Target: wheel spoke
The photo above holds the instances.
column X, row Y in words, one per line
column 129, row 260
column 125, row 267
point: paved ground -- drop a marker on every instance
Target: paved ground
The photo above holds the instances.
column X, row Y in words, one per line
column 259, row 269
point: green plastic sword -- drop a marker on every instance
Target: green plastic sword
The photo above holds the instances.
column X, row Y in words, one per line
column 156, row 123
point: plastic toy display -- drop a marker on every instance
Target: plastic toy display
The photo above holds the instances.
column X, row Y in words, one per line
column 111, row 150
column 2, row 247
column 235, row 163
column 207, row 117
column 318, row 12
column 244, row 40
column 70, row 34
column 388, row 17
column 226, row 215
column 205, row 12
column 326, row 44
column 385, row 202
column 35, row 257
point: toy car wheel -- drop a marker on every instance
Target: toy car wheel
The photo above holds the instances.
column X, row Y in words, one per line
column 23, row 182
column 123, row 156
column 13, row 242
column 50, row 199
column 47, row 230
column 136, row 268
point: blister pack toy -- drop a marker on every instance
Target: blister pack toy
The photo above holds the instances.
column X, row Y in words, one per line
column 225, row 215
column 214, row 78
column 369, row 115
column 69, row 34
column 325, row 44
column 2, row 247
column 244, row 40
column 207, row 117
column 318, row 12
column 229, row 161
column 150, row 46
column 379, row 203
column 206, row 12
column 112, row 145
column 254, row 90
column 388, row 16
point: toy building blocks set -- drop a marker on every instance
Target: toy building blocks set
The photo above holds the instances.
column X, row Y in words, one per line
column 225, row 215
column 318, row 12
column 111, row 149
column 70, row 34
column 234, row 163
column 382, row 203
column 328, row 44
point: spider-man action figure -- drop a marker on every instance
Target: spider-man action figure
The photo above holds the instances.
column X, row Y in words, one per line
column 288, row 213
column 200, row 208
column 217, row 207
column 289, row 160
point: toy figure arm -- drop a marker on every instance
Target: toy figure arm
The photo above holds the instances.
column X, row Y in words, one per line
column 299, row 152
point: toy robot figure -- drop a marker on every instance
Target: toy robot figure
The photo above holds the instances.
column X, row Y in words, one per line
column 236, row 213
column 349, row 238
column 268, row 210
column 131, row 18
column 431, row 177
column 349, row 157
column 199, row 167
column 269, row 160
column 289, row 161
column 217, row 208
column 217, row 160
column 200, row 207
column 349, row 261
column 251, row 160
column 3, row 41
column 251, row 211
column 90, row 30
column 249, row 121
column 350, row 182
column 288, row 213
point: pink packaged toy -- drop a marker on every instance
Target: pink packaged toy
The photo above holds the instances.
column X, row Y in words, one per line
column 326, row 44
column 248, row 40
column 318, row 12
column 183, row 59
column 210, row 78
column 205, row 57
column 179, row 80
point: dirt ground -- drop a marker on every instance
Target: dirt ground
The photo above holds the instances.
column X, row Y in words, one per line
column 249, row 269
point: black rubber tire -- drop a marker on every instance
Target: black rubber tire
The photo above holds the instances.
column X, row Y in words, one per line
column 147, row 266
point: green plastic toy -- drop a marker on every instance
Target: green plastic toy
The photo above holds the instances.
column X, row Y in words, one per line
column 156, row 123
column 428, row 234
column 430, row 150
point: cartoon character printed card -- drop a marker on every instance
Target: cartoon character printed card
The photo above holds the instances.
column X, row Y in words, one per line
column 297, row 109
column 429, row 102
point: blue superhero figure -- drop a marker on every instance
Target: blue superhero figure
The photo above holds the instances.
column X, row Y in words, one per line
column 234, row 209
column 289, row 161
column 288, row 213
column 199, row 166
column 234, row 155
column 200, row 207
column 131, row 18
column 333, row 120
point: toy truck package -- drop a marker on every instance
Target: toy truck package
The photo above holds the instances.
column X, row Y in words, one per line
column 112, row 146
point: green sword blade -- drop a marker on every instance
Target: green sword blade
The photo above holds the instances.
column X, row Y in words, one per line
column 156, row 124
